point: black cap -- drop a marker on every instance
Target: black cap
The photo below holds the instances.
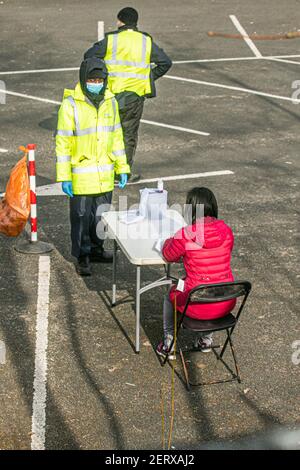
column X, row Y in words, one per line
column 97, row 73
column 128, row 15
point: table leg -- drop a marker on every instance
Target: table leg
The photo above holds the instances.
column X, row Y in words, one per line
column 114, row 286
column 168, row 270
column 137, row 309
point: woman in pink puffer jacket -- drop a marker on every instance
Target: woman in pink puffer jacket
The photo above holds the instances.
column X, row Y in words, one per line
column 205, row 249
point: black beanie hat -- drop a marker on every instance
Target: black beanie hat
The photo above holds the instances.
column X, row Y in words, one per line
column 97, row 70
column 97, row 73
column 128, row 15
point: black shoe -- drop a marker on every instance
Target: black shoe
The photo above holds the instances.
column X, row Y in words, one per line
column 83, row 267
column 134, row 177
column 101, row 256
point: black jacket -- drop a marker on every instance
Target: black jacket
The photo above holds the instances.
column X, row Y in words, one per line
column 158, row 56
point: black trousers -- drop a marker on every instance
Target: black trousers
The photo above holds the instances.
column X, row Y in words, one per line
column 85, row 215
column 130, row 116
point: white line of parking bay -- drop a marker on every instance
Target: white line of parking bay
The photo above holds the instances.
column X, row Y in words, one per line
column 153, row 123
column 54, row 189
column 245, row 36
column 173, row 77
column 189, row 61
column 285, row 61
column 177, row 128
column 229, row 87
column 40, row 367
column 183, row 177
column 19, row 72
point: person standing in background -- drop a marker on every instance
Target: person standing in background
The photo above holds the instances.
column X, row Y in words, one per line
column 128, row 54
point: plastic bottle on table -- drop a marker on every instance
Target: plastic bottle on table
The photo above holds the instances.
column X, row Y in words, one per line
column 160, row 185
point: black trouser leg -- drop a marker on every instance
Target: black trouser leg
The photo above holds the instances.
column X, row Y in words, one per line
column 130, row 117
column 100, row 204
column 85, row 217
column 80, row 211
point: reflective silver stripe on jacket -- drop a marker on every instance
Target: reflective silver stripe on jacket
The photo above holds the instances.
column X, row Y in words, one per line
column 63, row 158
column 119, row 153
column 76, row 118
column 115, row 46
column 64, row 133
column 144, row 48
column 113, row 102
column 129, row 63
column 88, row 130
column 129, row 75
column 92, row 169
column 88, row 101
column 93, row 130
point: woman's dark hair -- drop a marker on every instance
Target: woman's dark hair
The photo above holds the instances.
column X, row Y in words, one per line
column 204, row 196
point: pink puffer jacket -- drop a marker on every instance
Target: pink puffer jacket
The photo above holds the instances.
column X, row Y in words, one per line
column 206, row 261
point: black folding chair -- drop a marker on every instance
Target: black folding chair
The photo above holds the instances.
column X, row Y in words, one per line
column 209, row 294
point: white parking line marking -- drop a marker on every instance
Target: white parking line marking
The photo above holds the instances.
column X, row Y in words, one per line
column 246, row 38
column 228, row 87
column 285, row 61
column 283, row 56
column 3, row 151
column 54, row 189
column 184, row 177
column 229, row 59
column 100, row 30
column 69, row 69
column 40, row 367
column 23, row 95
column 177, row 128
column 2, row 353
column 173, row 77
column 16, row 72
column 153, row 123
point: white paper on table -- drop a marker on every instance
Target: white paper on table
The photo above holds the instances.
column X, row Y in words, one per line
column 131, row 217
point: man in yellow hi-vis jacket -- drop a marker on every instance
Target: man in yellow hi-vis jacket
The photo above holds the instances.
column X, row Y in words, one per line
column 128, row 54
column 89, row 151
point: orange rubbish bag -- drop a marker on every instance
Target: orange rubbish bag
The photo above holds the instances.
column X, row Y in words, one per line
column 15, row 206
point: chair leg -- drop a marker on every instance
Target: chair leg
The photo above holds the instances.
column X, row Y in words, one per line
column 235, row 376
column 234, row 356
column 226, row 343
column 186, row 375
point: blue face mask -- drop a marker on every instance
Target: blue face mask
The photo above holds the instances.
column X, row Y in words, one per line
column 94, row 87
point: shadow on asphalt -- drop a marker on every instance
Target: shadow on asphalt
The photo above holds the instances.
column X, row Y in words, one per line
column 112, row 423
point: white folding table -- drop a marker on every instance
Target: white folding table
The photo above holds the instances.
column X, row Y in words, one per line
column 137, row 242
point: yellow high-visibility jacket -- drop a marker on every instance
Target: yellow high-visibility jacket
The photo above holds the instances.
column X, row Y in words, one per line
column 89, row 143
column 128, row 61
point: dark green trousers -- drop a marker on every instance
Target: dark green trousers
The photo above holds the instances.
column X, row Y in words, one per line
column 130, row 109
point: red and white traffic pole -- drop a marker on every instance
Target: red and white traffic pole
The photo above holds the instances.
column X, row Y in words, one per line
column 33, row 246
column 32, row 183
